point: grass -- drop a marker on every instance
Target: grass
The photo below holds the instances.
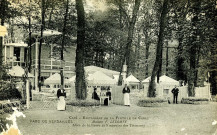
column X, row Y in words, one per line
column 173, row 119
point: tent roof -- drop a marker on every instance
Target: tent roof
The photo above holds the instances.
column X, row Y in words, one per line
column 99, row 78
column 131, row 79
column 72, row 79
column 93, row 69
column 54, row 79
column 16, row 44
column 163, row 79
column 18, row 71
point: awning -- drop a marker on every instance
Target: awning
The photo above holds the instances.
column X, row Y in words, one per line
column 18, row 71
column 55, row 79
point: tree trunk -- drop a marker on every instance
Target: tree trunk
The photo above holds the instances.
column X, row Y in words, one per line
column 146, row 58
column 80, row 85
column 30, row 42
column 158, row 61
column 181, row 73
column 192, row 81
column 63, row 42
column 41, row 40
column 129, row 40
column 1, row 44
column 2, row 9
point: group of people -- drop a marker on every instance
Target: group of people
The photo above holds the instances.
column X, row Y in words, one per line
column 126, row 92
column 108, row 94
column 61, row 95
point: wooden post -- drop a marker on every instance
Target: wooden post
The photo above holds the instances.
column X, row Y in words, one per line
column 27, row 94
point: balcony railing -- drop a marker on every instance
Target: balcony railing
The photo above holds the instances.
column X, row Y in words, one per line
column 54, row 64
column 15, row 63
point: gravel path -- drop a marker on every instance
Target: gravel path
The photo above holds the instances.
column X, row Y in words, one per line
column 174, row 119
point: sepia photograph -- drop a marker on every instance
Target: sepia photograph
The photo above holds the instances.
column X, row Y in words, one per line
column 108, row 67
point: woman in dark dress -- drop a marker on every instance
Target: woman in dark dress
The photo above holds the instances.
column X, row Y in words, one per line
column 95, row 95
column 61, row 95
column 126, row 92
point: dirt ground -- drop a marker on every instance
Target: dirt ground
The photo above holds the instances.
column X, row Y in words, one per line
column 174, row 119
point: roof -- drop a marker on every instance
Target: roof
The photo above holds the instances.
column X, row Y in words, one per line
column 132, row 79
column 54, row 79
column 18, row 71
column 16, row 44
column 99, row 78
column 93, row 69
column 47, row 32
column 72, row 79
column 163, row 79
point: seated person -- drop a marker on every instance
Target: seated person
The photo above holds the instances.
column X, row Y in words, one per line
column 95, row 95
column 108, row 93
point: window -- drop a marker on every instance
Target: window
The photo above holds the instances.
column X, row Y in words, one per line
column 166, row 92
column 17, row 53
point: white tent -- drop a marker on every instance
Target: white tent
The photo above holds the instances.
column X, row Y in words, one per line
column 133, row 82
column 99, row 78
column 132, row 79
column 18, row 71
column 93, row 69
column 55, row 79
column 163, row 88
column 72, row 79
column 163, row 79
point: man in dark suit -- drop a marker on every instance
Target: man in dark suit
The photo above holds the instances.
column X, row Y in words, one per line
column 175, row 92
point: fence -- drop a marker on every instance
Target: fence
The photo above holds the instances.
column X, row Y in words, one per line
column 203, row 92
column 117, row 95
column 164, row 91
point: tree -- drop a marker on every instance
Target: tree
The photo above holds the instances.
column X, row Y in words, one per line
column 6, row 12
column 127, row 50
column 63, row 40
column 158, row 62
column 80, row 85
column 43, row 9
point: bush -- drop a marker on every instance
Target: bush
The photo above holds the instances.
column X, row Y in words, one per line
column 8, row 91
column 194, row 100
column 152, row 102
column 83, row 103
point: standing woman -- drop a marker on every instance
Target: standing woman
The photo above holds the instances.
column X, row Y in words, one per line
column 61, row 94
column 126, row 92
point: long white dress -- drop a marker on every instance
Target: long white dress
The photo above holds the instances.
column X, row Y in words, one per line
column 61, row 105
column 126, row 92
column 126, row 99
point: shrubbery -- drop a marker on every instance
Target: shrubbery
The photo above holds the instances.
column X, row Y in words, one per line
column 194, row 100
column 152, row 102
column 9, row 91
column 84, row 103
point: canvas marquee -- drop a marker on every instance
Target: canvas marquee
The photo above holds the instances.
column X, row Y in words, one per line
column 99, row 78
column 163, row 80
column 55, row 79
column 18, row 71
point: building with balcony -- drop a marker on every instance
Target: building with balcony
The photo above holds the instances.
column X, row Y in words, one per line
column 50, row 62
column 14, row 54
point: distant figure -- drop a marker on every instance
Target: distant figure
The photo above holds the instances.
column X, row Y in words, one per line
column 175, row 92
column 61, row 94
column 108, row 93
column 95, row 95
column 126, row 92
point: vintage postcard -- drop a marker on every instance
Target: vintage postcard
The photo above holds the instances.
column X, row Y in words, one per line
column 108, row 67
